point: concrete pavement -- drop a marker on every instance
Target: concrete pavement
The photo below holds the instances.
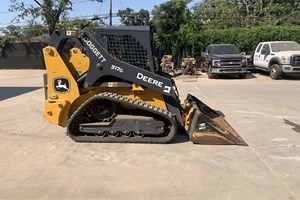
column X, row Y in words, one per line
column 38, row 160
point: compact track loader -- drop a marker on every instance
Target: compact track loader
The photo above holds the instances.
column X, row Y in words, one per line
column 166, row 64
column 104, row 87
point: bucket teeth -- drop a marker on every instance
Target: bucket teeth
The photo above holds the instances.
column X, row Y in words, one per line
column 206, row 126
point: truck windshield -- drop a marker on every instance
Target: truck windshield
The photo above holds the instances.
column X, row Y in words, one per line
column 230, row 49
column 285, row 46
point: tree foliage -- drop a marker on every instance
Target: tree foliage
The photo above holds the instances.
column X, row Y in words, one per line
column 181, row 31
column 33, row 30
column 167, row 19
column 246, row 13
column 88, row 24
column 12, row 31
column 244, row 38
column 129, row 17
column 50, row 11
column 4, row 40
column 23, row 32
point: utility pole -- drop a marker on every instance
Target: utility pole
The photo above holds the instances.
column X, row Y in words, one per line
column 110, row 12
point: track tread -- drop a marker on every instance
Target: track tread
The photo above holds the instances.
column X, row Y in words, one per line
column 139, row 104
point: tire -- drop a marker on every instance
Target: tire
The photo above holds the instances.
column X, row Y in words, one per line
column 275, row 71
column 209, row 73
column 185, row 70
column 242, row 76
column 202, row 68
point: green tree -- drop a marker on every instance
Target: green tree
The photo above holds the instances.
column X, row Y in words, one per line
column 33, row 30
column 129, row 17
column 167, row 19
column 218, row 13
column 51, row 11
column 12, row 31
column 89, row 24
column 246, row 13
column 279, row 12
column 24, row 32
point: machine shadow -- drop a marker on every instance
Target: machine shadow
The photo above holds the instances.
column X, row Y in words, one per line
column 290, row 77
column 9, row 92
column 235, row 77
column 180, row 138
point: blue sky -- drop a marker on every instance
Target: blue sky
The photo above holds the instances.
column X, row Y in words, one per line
column 82, row 8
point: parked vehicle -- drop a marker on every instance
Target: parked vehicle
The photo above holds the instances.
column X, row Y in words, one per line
column 278, row 58
column 221, row 59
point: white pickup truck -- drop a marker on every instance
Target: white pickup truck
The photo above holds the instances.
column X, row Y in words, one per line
column 277, row 57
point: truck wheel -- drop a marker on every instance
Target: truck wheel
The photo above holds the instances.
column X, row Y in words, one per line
column 275, row 71
column 242, row 76
column 202, row 68
column 209, row 73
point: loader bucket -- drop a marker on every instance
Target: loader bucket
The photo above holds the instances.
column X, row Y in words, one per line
column 206, row 126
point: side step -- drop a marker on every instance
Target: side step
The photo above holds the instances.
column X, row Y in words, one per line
column 206, row 126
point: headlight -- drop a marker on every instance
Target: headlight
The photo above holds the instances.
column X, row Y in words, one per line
column 216, row 63
column 286, row 60
column 244, row 61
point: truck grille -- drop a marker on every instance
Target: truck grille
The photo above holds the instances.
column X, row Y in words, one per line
column 295, row 60
column 230, row 69
column 231, row 62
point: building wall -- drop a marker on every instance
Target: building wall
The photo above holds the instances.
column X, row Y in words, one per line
column 23, row 55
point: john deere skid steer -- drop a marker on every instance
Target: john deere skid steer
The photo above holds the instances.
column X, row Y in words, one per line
column 104, row 87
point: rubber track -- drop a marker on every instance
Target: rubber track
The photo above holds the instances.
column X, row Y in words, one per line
column 138, row 104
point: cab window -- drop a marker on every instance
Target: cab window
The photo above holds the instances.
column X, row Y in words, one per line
column 258, row 48
column 265, row 49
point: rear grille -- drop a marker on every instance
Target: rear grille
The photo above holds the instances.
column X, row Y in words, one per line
column 295, row 60
column 127, row 49
column 230, row 62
